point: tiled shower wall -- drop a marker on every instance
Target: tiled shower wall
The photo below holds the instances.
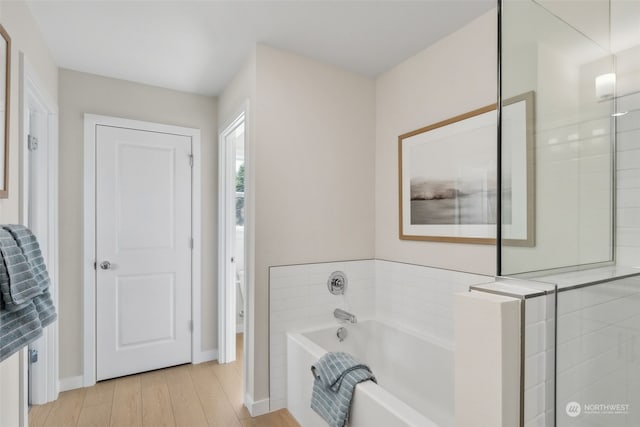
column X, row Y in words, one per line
column 539, row 361
column 416, row 298
column 628, row 182
column 599, row 351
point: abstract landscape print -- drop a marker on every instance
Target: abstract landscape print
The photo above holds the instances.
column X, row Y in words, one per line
column 448, row 180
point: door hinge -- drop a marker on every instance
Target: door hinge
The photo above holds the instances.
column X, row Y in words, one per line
column 191, row 160
column 191, row 325
column 191, row 243
column 95, row 265
column 33, row 356
column 32, row 143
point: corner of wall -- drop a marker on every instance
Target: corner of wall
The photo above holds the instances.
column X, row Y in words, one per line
column 487, row 360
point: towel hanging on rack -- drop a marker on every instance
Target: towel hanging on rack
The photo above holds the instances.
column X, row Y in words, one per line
column 28, row 243
column 26, row 305
column 20, row 287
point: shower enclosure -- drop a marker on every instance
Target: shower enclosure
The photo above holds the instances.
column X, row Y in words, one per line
column 570, row 200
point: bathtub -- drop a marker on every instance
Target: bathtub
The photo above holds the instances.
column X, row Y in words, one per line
column 415, row 376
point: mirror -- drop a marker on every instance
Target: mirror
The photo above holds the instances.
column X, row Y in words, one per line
column 5, row 85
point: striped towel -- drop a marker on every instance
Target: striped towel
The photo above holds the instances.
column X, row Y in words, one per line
column 17, row 284
column 28, row 243
column 18, row 329
column 336, row 376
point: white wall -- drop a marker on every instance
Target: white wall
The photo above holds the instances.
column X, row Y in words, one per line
column 314, row 163
column 85, row 93
column 487, row 331
column 25, row 37
column 451, row 77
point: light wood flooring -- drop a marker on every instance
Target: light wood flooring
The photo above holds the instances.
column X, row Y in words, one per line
column 207, row 394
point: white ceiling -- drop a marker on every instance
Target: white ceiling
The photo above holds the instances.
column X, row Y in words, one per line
column 197, row 46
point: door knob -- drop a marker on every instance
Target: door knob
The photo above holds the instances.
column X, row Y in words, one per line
column 105, row 265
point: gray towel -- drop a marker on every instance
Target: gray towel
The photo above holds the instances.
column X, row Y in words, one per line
column 17, row 284
column 28, row 243
column 336, row 376
column 17, row 329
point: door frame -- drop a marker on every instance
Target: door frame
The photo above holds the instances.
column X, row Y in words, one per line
column 33, row 95
column 248, row 372
column 227, row 328
column 89, row 248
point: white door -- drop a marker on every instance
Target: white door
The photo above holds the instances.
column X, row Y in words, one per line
column 143, row 251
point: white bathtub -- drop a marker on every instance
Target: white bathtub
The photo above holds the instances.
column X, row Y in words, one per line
column 415, row 376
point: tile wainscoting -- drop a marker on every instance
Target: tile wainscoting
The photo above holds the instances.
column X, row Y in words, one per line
column 415, row 298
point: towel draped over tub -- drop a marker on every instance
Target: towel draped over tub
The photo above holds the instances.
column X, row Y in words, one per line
column 336, row 376
column 26, row 306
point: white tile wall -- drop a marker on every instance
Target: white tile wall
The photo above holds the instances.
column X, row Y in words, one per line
column 300, row 300
column 539, row 345
column 416, row 298
column 599, row 351
column 628, row 182
column 539, row 361
column 421, row 299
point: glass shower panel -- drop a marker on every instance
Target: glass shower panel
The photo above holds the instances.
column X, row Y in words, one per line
column 558, row 144
column 578, row 158
column 598, row 355
column 625, row 43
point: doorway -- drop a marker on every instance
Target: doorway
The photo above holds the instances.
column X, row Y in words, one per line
column 142, row 247
column 39, row 212
column 232, row 221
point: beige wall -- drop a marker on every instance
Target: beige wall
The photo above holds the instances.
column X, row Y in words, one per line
column 84, row 93
column 324, row 145
column 25, row 37
column 451, row 77
column 314, row 162
column 240, row 93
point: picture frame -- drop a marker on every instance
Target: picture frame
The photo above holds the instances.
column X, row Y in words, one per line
column 5, row 108
column 518, row 152
column 448, row 179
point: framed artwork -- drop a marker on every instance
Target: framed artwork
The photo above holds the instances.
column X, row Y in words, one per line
column 448, row 177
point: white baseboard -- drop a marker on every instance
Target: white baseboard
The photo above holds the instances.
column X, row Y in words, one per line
column 277, row 404
column 205, row 356
column 70, row 383
column 256, row 408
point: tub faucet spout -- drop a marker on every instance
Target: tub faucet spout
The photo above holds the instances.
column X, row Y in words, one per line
column 338, row 313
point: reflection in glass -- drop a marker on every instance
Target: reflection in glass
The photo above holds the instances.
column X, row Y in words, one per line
column 573, row 140
column 5, row 83
column 582, row 58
